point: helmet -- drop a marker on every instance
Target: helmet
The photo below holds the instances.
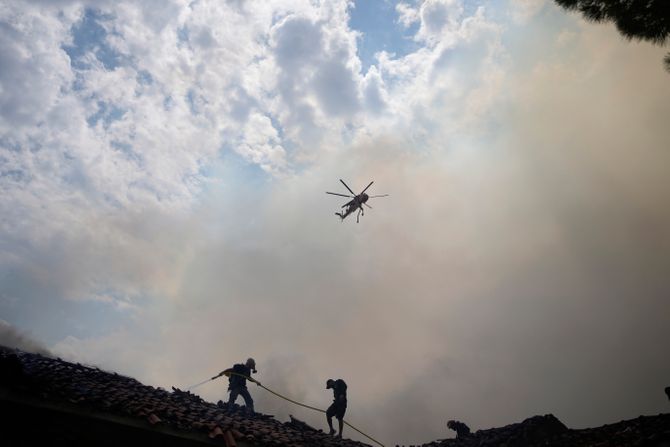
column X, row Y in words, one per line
column 330, row 383
column 251, row 363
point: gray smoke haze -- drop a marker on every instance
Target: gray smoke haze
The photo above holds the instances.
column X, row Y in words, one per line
column 12, row 337
column 487, row 288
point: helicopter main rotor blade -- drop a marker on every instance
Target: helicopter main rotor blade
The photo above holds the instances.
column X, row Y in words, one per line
column 336, row 194
column 367, row 205
column 366, row 188
column 347, row 186
column 381, row 195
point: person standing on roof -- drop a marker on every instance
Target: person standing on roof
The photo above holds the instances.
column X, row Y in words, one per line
column 237, row 383
column 339, row 405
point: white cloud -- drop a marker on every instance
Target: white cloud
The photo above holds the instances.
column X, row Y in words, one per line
column 436, row 18
column 190, row 80
column 443, row 87
column 260, row 144
column 318, row 78
column 34, row 67
column 375, row 95
column 407, row 15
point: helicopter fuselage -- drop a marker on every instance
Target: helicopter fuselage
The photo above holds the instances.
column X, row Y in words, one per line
column 355, row 204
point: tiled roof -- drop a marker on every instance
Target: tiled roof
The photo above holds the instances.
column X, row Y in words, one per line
column 55, row 380
column 548, row 431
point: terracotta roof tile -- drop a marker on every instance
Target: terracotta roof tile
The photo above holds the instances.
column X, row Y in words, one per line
column 230, row 440
column 216, row 432
column 153, row 419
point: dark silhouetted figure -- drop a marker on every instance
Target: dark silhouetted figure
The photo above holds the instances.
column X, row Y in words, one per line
column 237, row 383
column 339, row 405
column 644, row 20
column 667, row 391
column 460, row 428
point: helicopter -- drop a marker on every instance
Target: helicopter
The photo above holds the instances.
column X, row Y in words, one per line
column 357, row 201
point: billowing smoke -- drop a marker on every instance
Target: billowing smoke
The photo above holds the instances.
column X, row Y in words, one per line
column 12, row 337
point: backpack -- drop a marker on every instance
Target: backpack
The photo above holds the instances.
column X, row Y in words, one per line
column 234, row 380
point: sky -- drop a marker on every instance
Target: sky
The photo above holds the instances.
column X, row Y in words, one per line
column 162, row 211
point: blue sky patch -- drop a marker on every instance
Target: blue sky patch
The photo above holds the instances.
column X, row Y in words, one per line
column 377, row 20
column 191, row 100
column 182, row 35
column 89, row 36
column 107, row 113
column 128, row 152
column 144, row 77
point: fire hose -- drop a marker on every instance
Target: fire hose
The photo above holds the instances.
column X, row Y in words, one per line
column 287, row 399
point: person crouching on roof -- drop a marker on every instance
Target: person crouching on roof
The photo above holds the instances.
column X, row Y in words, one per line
column 339, row 405
column 462, row 430
column 237, row 383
